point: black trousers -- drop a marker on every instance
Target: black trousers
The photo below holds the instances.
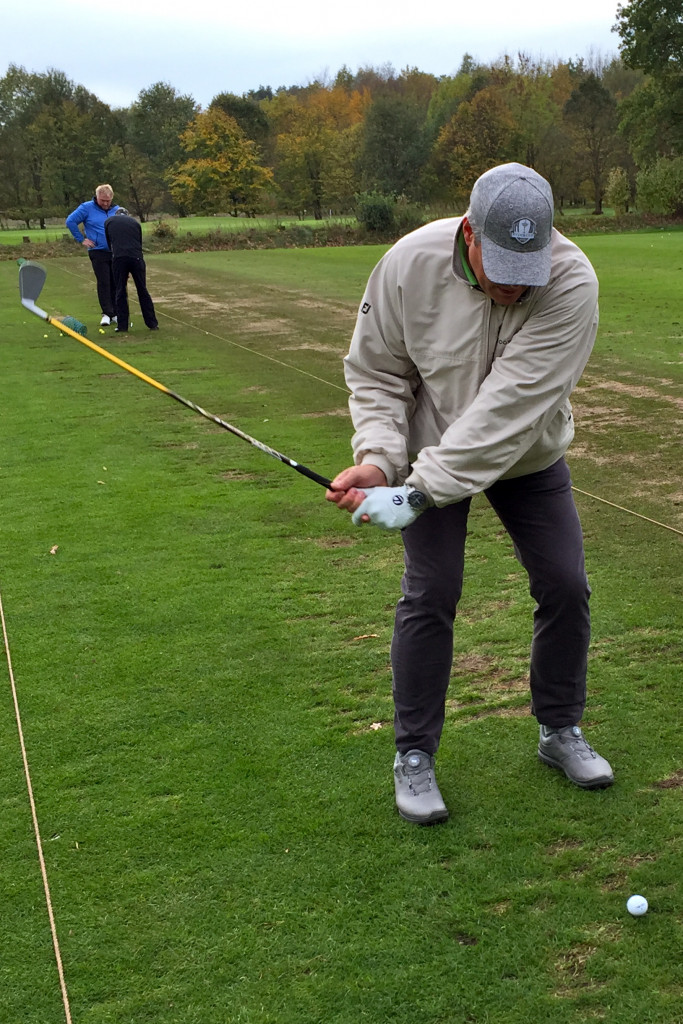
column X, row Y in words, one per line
column 102, row 266
column 539, row 514
column 135, row 266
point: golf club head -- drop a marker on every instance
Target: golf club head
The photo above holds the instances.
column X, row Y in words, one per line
column 31, row 280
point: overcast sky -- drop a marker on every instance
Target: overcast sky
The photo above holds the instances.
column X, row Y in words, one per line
column 203, row 47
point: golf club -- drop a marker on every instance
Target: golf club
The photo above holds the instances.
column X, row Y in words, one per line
column 31, row 280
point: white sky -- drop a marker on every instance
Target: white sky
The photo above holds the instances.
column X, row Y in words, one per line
column 203, row 47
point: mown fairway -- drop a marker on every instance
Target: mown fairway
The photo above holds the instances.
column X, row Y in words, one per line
column 200, row 648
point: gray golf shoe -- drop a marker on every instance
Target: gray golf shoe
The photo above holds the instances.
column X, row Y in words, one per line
column 417, row 795
column 568, row 750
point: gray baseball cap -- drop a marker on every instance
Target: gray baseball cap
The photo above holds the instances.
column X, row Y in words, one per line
column 512, row 206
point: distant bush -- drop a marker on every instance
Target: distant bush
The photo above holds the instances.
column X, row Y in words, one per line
column 660, row 187
column 408, row 217
column 164, row 229
column 376, row 211
column 618, row 191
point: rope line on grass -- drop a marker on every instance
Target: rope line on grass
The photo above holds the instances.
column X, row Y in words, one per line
column 235, row 344
column 255, row 352
column 36, row 829
column 630, row 511
column 338, row 387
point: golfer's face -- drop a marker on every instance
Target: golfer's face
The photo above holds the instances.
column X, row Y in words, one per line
column 503, row 294
column 105, row 201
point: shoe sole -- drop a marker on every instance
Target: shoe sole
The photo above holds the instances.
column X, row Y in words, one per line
column 599, row 783
column 434, row 819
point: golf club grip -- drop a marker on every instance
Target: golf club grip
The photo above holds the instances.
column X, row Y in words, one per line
column 322, row 480
column 304, row 470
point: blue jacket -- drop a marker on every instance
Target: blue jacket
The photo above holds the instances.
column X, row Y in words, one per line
column 92, row 217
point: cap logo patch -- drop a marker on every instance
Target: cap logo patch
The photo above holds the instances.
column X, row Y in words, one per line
column 523, row 230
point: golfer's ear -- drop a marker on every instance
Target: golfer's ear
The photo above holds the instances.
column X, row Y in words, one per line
column 467, row 231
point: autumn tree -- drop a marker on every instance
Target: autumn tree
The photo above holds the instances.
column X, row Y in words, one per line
column 154, row 126
column 591, row 114
column 54, row 140
column 480, row 134
column 139, row 184
column 250, row 116
column 156, row 121
column 317, row 139
column 447, row 96
column 395, row 147
column 651, row 33
column 222, row 171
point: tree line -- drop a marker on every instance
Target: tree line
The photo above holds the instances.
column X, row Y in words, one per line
column 598, row 129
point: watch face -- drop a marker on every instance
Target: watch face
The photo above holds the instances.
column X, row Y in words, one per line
column 417, row 500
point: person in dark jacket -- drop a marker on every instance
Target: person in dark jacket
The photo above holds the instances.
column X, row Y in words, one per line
column 124, row 237
column 92, row 216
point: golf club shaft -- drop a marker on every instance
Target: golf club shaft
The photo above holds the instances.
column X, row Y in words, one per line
column 304, row 470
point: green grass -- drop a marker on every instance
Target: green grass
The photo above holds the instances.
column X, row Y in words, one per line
column 201, row 661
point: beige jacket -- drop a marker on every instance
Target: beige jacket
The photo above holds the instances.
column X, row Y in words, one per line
column 450, row 391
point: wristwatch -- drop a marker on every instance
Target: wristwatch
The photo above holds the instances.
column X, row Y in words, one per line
column 417, row 500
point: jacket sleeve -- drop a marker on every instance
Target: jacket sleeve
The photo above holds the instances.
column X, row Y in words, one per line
column 526, row 389
column 382, row 377
column 74, row 220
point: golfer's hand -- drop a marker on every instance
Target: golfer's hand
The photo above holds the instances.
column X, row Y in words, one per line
column 349, row 486
column 386, row 507
column 88, row 243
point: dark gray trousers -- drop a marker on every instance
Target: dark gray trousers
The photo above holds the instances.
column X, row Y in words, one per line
column 101, row 264
column 135, row 266
column 539, row 514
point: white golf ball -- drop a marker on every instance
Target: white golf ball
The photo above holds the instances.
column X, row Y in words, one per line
column 636, row 905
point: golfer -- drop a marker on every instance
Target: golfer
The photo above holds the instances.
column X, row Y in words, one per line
column 91, row 216
column 471, row 336
column 124, row 236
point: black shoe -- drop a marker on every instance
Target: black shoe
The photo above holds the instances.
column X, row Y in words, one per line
column 155, row 328
column 120, row 330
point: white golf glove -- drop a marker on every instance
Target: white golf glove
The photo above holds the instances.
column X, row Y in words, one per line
column 391, row 508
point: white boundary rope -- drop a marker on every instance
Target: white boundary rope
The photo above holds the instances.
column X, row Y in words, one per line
column 36, row 829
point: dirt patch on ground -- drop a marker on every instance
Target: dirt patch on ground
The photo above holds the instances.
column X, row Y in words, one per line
column 631, row 390
column 311, row 346
column 273, row 326
column 330, row 412
column 674, row 781
column 188, row 301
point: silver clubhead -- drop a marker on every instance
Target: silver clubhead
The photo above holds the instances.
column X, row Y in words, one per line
column 31, row 280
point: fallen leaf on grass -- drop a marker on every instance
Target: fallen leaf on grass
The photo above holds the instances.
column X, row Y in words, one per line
column 375, row 726
column 100, row 481
column 53, row 549
column 366, row 636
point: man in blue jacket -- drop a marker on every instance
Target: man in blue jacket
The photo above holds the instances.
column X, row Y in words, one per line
column 91, row 216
